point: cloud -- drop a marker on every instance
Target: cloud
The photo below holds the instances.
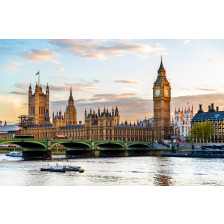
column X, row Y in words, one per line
column 206, row 89
column 98, row 55
column 82, row 87
column 60, row 69
column 100, row 49
column 187, row 41
column 195, row 100
column 216, row 60
column 19, row 93
column 202, row 89
column 41, row 55
column 127, row 81
column 109, row 97
column 21, row 85
column 13, row 65
column 133, row 107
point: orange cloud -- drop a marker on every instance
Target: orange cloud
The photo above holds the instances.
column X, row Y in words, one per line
column 60, row 69
column 127, row 81
column 99, row 49
column 41, row 55
column 13, row 65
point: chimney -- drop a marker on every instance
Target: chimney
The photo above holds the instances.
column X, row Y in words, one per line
column 209, row 108
column 217, row 108
column 200, row 108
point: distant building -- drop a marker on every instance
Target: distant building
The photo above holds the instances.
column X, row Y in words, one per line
column 69, row 117
column 70, row 113
column 213, row 115
column 38, row 105
column 9, row 129
column 182, row 122
column 0, row 123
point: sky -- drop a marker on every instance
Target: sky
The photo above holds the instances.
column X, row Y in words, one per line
column 110, row 73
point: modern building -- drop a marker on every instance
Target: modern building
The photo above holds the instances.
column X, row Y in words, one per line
column 213, row 115
column 161, row 103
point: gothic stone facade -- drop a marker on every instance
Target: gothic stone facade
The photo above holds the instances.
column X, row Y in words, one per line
column 38, row 105
column 161, row 102
column 182, row 122
column 103, row 125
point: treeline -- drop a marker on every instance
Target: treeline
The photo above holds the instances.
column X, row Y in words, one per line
column 202, row 132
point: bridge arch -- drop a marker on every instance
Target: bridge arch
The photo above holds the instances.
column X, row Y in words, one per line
column 66, row 143
column 111, row 149
column 25, row 144
column 110, row 144
column 75, row 148
column 31, row 149
column 139, row 145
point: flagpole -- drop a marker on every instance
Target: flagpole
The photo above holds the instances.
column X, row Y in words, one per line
column 39, row 79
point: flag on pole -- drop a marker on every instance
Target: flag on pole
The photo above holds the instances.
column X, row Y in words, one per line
column 37, row 73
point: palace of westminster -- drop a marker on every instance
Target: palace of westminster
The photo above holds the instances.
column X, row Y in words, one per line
column 100, row 124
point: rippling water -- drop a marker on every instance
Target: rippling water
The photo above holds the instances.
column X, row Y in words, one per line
column 126, row 171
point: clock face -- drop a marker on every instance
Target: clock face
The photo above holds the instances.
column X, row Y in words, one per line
column 157, row 92
column 166, row 92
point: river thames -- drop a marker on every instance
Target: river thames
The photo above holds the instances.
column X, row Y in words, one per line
column 122, row 171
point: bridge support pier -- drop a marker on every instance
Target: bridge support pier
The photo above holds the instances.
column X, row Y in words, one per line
column 125, row 149
column 48, row 144
column 94, row 152
column 37, row 154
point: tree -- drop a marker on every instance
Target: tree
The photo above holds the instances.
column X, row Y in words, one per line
column 202, row 132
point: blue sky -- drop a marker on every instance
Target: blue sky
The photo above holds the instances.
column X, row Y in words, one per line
column 109, row 73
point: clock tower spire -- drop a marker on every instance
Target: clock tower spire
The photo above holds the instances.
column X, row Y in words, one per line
column 161, row 104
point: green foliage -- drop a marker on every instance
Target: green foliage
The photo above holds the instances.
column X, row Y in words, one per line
column 203, row 131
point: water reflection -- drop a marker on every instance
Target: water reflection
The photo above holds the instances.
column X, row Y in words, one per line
column 162, row 180
column 126, row 171
column 163, row 175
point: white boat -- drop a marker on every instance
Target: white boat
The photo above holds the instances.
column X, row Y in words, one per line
column 14, row 154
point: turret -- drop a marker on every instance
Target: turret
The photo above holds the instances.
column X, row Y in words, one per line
column 47, row 89
column 161, row 71
column 30, row 89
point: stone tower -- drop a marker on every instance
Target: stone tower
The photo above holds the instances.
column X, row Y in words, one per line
column 161, row 99
column 38, row 105
column 70, row 113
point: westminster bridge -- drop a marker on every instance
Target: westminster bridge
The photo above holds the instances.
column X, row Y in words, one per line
column 41, row 148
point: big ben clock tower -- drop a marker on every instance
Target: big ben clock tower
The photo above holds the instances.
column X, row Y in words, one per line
column 161, row 103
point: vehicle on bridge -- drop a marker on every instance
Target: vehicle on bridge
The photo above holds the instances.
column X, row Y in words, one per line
column 23, row 136
column 61, row 137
